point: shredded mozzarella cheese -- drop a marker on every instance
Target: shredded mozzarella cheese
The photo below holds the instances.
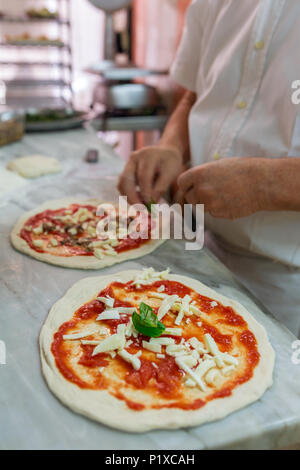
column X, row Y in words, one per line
column 162, row 341
column 213, row 349
column 111, row 343
column 83, row 334
column 152, row 346
column 166, row 305
column 173, row 331
column 132, row 359
column 108, row 301
column 181, row 364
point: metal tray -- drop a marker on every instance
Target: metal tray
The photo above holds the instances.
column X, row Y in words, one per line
column 71, row 122
column 34, row 43
column 111, row 71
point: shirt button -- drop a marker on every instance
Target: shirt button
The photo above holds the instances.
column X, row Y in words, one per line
column 259, row 45
column 242, row 104
column 217, row 156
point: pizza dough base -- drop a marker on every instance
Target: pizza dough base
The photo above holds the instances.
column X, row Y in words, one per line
column 75, row 262
column 33, row 166
column 100, row 406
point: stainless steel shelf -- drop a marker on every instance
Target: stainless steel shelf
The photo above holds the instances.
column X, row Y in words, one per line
column 62, row 63
column 34, row 44
column 36, row 64
column 25, row 19
column 26, row 102
column 131, row 123
column 16, row 83
column 122, row 73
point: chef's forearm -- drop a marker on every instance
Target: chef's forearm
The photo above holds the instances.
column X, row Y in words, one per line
column 176, row 134
column 279, row 183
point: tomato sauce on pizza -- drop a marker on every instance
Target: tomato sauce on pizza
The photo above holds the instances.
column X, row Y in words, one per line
column 71, row 231
column 199, row 351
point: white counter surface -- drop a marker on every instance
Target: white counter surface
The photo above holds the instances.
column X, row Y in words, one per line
column 30, row 416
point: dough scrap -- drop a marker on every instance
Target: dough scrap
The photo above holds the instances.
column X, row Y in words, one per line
column 33, row 166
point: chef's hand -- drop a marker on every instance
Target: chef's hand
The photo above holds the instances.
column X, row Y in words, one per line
column 229, row 189
column 149, row 173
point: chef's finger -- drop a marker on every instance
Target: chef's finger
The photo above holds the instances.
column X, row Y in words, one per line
column 179, row 198
column 185, row 181
column 145, row 177
column 127, row 183
column 191, row 196
column 165, row 177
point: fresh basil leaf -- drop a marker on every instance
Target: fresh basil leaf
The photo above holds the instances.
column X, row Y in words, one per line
column 147, row 323
column 147, row 314
column 150, row 204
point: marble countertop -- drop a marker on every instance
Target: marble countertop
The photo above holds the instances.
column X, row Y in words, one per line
column 30, row 416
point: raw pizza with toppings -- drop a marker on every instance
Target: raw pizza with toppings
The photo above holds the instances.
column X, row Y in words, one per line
column 146, row 350
column 63, row 233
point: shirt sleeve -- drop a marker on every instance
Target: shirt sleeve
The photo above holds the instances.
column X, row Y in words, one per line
column 186, row 65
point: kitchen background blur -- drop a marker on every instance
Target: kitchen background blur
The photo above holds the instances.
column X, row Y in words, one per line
column 111, row 64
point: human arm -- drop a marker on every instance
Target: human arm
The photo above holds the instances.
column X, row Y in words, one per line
column 238, row 187
column 150, row 171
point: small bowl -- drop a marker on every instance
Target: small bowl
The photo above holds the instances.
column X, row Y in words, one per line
column 11, row 126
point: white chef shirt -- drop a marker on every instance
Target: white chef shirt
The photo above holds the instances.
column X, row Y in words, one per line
column 241, row 58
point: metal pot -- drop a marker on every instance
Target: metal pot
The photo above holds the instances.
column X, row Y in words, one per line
column 127, row 96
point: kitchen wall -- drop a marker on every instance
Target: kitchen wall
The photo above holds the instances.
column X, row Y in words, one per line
column 157, row 30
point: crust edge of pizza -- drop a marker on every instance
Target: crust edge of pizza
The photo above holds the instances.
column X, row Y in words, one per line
column 101, row 406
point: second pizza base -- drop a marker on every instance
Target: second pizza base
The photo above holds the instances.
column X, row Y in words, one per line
column 76, row 262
